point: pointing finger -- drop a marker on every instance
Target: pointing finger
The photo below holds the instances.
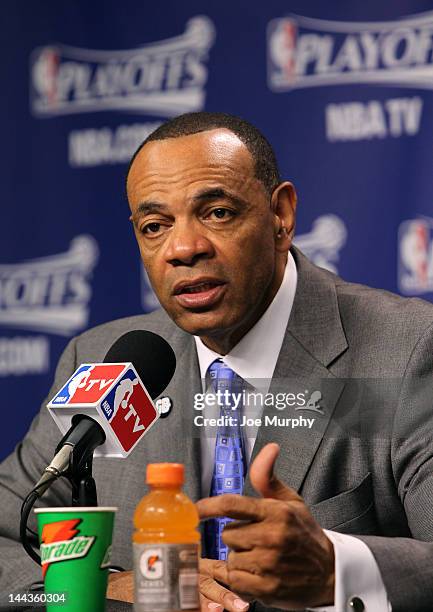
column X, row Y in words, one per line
column 233, row 506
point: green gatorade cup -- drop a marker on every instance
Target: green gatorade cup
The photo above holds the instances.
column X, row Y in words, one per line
column 75, row 554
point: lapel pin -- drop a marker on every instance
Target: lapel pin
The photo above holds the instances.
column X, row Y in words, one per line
column 164, row 406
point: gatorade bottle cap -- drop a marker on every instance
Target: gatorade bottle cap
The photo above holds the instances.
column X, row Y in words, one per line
column 165, row 473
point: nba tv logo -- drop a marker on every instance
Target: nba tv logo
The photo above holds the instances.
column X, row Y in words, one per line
column 415, row 265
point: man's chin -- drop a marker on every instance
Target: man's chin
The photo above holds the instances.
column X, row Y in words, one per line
column 202, row 323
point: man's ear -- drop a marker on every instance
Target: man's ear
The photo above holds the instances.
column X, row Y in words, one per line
column 283, row 204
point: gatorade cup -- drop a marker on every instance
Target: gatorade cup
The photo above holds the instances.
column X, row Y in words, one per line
column 75, row 554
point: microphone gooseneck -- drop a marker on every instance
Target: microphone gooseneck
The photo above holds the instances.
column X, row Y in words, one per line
column 73, row 451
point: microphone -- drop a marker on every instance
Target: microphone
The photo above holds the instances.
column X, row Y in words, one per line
column 109, row 408
column 152, row 356
column 108, row 405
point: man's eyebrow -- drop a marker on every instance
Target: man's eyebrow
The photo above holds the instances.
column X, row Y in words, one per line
column 146, row 208
column 217, row 193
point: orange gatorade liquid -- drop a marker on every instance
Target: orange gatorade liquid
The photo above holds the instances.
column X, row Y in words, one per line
column 166, row 544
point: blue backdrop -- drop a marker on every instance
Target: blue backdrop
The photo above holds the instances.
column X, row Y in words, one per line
column 343, row 90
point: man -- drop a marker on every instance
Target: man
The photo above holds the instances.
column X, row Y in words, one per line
column 214, row 226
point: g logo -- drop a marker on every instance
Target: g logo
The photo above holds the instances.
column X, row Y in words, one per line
column 151, row 564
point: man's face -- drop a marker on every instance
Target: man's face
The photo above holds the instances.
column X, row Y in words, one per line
column 205, row 230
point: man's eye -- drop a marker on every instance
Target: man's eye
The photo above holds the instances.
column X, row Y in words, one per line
column 222, row 213
column 151, row 228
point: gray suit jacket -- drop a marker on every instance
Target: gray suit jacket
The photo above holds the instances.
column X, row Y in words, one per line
column 365, row 468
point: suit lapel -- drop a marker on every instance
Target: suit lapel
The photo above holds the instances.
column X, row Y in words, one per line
column 313, row 340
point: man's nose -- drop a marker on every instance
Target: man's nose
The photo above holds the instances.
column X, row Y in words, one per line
column 188, row 243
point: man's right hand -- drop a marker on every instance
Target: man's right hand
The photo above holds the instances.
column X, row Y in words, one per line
column 214, row 597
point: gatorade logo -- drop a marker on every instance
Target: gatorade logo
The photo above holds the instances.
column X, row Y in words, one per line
column 151, row 564
column 60, row 544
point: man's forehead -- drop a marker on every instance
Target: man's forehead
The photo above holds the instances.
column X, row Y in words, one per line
column 218, row 148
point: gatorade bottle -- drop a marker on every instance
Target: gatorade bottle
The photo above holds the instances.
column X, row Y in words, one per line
column 166, row 544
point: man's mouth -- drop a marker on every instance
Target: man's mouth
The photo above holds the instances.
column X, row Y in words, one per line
column 199, row 293
column 198, row 288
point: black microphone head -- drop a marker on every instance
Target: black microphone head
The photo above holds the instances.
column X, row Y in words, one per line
column 151, row 355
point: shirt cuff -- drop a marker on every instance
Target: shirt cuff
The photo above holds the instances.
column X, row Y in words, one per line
column 357, row 577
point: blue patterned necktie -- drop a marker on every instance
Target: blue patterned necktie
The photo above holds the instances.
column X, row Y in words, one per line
column 230, row 462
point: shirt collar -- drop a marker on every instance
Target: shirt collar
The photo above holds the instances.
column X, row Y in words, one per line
column 255, row 355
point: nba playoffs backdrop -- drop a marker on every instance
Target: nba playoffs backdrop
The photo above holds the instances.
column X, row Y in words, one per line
column 343, row 91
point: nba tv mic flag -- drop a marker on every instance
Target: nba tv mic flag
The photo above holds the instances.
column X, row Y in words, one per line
column 113, row 392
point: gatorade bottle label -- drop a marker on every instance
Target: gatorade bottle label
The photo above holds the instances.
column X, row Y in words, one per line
column 166, row 577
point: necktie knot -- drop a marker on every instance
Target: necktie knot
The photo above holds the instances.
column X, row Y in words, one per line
column 224, row 379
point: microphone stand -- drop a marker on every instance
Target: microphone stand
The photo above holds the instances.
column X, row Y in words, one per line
column 83, row 483
column 79, row 472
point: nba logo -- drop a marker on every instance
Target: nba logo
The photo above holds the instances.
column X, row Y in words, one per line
column 45, row 76
column 282, row 38
column 68, row 391
column 415, row 274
